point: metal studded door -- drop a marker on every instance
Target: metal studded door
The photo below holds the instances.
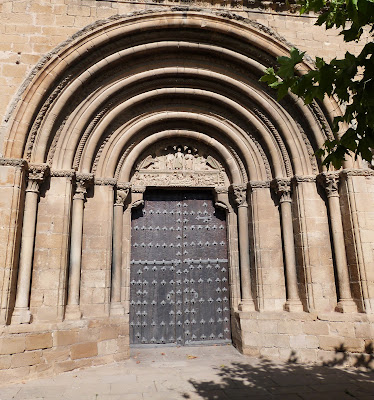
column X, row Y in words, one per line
column 179, row 292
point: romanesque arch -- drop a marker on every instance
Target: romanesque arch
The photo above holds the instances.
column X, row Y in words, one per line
column 96, row 106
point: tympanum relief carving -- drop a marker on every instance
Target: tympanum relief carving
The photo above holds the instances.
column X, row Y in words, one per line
column 179, row 165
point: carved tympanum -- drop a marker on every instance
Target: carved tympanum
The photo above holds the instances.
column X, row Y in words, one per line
column 178, row 165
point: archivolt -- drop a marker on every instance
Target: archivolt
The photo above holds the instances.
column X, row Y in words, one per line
column 176, row 71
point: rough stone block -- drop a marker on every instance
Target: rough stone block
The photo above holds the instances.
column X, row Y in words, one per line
column 293, row 327
column 84, row 350
column 5, row 361
column 364, row 330
column 64, row 338
column 12, row 345
column 39, row 341
column 316, row 328
column 297, row 341
column 337, row 343
column 52, row 356
column 107, row 347
column 251, row 351
column 25, row 359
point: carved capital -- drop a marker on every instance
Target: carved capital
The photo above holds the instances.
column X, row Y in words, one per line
column 36, row 175
column 121, row 196
column 82, row 181
column 240, row 195
column 330, row 182
column 282, row 188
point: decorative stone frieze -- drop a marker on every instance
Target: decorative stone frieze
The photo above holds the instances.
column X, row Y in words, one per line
column 253, row 185
column 105, row 181
column 138, row 189
column 221, row 190
column 304, row 178
column 13, row 162
column 69, row 173
column 357, row 172
column 178, row 165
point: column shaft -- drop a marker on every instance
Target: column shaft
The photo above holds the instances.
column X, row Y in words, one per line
column 240, row 195
column 21, row 313
column 346, row 303
column 117, row 254
column 72, row 308
column 75, row 252
column 293, row 299
column 330, row 182
column 245, row 272
column 283, row 189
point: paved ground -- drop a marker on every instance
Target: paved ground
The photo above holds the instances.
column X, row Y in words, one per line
column 211, row 373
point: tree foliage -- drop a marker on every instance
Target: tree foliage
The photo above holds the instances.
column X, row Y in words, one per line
column 349, row 80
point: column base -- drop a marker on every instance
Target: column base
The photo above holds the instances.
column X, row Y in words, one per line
column 247, row 305
column 293, row 306
column 21, row 316
column 117, row 309
column 73, row 312
column 346, row 306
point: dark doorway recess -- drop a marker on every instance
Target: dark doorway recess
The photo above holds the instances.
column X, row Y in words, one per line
column 179, row 288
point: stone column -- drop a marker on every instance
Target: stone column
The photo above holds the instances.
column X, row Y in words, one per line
column 330, row 183
column 21, row 314
column 283, row 190
column 240, row 197
column 122, row 192
column 72, row 308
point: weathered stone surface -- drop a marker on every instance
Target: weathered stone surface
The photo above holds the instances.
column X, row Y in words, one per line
column 39, row 341
column 84, row 350
column 11, row 345
column 25, row 359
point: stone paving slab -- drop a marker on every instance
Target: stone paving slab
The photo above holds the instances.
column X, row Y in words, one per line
column 196, row 373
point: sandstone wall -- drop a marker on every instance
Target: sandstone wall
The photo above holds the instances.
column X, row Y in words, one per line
column 39, row 350
column 331, row 338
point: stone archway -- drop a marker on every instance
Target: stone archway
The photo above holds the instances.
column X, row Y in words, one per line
column 76, row 153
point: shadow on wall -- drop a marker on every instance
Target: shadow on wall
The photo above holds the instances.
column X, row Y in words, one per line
column 267, row 379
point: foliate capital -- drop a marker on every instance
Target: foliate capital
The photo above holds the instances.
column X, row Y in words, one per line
column 282, row 188
column 82, row 181
column 240, row 195
column 330, row 182
column 36, row 175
